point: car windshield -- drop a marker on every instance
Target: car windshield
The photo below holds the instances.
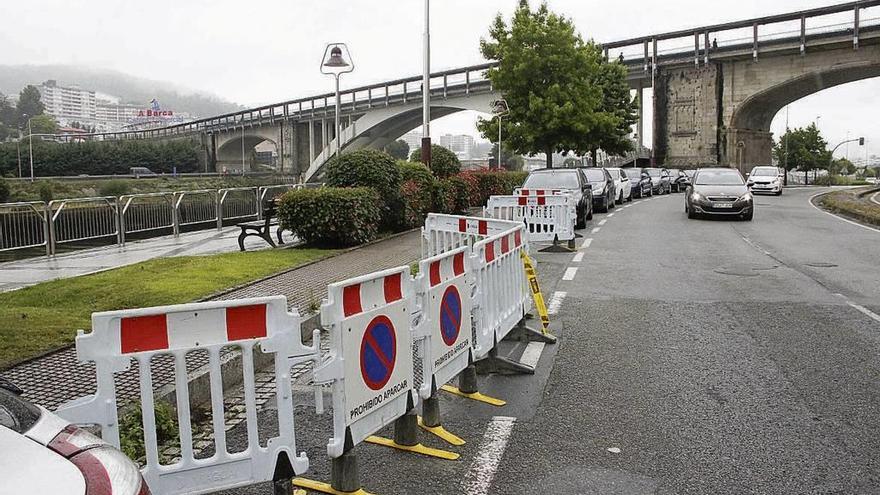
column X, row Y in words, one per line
column 594, row 174
column 653, row 172
column 562, row 179
column 719, row 178
column 633, row 173
column 673, row 171
column 764, row 172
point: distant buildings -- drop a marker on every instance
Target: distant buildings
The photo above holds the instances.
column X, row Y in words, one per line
column 105, row 113
column 460, row 144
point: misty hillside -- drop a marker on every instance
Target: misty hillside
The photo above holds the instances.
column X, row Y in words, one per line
column 129, row 88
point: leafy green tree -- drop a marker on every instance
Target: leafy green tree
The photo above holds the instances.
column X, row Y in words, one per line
column 509, row 160
column 802, row 149
column 444, row 162
column 399, row 150
column 8, row 118
column 29, row 104
column 842, row 166
column 43, row 124
column 548, row 74
column 618, row 112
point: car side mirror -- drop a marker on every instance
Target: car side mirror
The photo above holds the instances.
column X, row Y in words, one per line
column 588, row 187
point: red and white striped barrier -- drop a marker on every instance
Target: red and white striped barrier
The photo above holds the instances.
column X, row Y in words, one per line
column 119, row 337
column 502, row 295
column 547, row 218
column 521, row 191
column 445, row 328
column 370, row 364
column 443, row 233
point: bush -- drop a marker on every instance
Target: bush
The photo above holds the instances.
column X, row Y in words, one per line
column 46, row 191
column 444, row 163
column 332, row 216
column 114, row 188
column 452, row 195
column 4, row 191
column 416, row 192
column 131, row 429
column 849, row 203
column 483, row 184
column 375, row 169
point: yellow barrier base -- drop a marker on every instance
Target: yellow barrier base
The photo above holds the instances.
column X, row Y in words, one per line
column 441, row 432
column 475, row 396
column 417, row 448
column 317, row 486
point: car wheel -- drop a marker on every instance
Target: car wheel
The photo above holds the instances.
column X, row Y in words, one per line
column 748, row 216
column 581, row 220
column 691, row 214
column 590, row 214
column 612, row 202
column 779, row 193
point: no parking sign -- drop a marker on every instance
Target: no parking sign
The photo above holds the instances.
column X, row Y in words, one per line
column 446, row 317
column 371, row 363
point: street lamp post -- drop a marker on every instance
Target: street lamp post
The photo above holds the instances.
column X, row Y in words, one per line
column 31, row 147
column 335, row 63
column 861, row 141
column 500, row 109
column 426, row 88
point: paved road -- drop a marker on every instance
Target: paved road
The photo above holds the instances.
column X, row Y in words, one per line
column 694, row 357
column 876, row 198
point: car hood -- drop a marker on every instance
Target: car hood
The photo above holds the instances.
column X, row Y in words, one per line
column 736, row 191
column 33, row 468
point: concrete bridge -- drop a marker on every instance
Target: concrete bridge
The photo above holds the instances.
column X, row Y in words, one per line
column 716, row 92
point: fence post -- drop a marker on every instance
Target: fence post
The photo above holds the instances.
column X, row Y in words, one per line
column 47, row 234
column 220, row 198
column 260, row 192
column 175, row 214
column 120, row 223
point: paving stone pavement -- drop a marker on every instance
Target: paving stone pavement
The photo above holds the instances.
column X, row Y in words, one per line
column 57, row 377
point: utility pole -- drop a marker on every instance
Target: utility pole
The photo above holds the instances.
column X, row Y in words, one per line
column 785, row 158
column 426, row 89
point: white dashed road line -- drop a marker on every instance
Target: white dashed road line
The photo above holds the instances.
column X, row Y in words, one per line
column 570, row 272
column 532, row 354
column 586, row 243
column 595, row 230
column 609, row 216
column 601, row 223
column 556, row 302
column 578, row 256
column 479, row 477
column 865, row 311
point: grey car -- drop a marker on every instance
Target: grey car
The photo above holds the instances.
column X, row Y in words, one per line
column 719, row 192
column 659, row 180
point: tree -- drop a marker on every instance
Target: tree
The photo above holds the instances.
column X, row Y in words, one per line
column 29, row 103
column 443, row 161
column 802, row 149
column 398, row 149
column 547, row 74
column 509, row 159
column 842, row 166
column 43, row 124
column 618, row 112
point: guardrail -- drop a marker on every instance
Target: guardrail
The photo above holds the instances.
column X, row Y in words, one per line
column 28, row 225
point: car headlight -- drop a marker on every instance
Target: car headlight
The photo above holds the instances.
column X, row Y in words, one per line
column 745, row 197
column 695, row 196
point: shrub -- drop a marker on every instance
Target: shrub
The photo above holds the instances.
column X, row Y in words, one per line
column 489, row 183
column 4, row 191
column 375, row 169
column 452, row 195
column 46, row 191
column 114, row 188
column 331, row 216
column 131, row 429
column 416, row 192
column 444, row 163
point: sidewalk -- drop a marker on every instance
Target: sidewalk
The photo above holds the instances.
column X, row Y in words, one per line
column 57, row 378
column 21, row 273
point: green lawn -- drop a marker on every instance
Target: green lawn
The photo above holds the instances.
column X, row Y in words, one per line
column 47, row 315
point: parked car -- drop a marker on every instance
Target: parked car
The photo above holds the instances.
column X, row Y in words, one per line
column 640, row 182
column 721, row 192
column 139, row 172
column 621, row 184
column 766, row 180
column 603, row 188
column 570, row 181
column 42, row 453
column 659, row 180
column 677, row 180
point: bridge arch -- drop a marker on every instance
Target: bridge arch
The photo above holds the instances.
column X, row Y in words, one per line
column 236, row 148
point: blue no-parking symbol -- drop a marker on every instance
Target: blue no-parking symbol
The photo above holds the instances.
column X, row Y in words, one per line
column 378, row 352
column 450, row 315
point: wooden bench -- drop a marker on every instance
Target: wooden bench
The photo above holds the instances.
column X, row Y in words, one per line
column 262, row 228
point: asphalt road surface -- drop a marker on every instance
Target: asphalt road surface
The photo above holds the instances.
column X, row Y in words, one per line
column 695, row 356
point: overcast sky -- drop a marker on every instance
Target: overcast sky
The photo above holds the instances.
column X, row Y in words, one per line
column 262, row 51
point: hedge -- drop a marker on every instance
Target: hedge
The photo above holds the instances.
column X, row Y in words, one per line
column 452, row 196
column 377, row 170
column 332, row 216
column 444, row 163
column 417, row 192
column 4, row 191
column 482, row 184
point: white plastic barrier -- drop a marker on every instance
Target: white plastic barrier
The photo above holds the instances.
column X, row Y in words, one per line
column 502, row 295
column 117, row 337
column 443, row 233
column 370, row 364
column 444, row 326
column 547, row 218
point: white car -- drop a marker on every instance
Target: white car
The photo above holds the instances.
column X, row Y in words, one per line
column 42, row 453
column 766, row 180
column 622, row 185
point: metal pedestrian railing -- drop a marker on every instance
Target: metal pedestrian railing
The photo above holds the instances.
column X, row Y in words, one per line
column 35, row 224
